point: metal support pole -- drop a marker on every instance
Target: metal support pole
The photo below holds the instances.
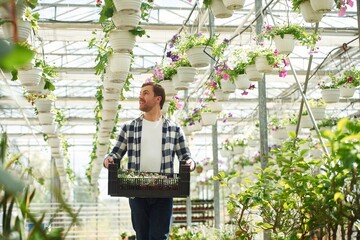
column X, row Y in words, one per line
column 215, row 147
column 358, row 17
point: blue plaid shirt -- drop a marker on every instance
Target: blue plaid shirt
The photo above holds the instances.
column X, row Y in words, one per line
column 173, row 142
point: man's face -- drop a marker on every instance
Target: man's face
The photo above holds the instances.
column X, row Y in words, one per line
column 147, row 99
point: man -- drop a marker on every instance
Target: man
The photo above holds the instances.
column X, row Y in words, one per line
column 151, row 142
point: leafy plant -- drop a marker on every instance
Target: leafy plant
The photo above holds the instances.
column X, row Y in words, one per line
column 316, row 102
column 185, row 42
column 350, row 78
column 296, row 4
column 299, row 33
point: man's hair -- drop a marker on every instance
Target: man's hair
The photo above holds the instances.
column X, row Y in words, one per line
column 158, row 91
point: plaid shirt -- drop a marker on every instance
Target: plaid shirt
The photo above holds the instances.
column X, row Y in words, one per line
column 173, row 142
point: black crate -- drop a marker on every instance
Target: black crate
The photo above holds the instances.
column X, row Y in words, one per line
column 174, row 185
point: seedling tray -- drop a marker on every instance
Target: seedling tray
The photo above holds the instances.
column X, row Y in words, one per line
column 170, row 185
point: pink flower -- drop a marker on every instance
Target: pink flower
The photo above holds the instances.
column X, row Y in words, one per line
column 342, row 11
column 350, row 3
column 283, row 73
column 226, row 76
column 350, row 80
column 98, row 3
column 244, row 93
column 252, row 86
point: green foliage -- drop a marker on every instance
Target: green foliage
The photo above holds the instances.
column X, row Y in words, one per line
column 48, row 75
column 296, row 4
column 185, row 42
column 350, row 78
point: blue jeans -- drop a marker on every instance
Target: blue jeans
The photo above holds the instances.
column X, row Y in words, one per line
column 151, row 217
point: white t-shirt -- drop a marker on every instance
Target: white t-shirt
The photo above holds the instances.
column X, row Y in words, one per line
column 151, row 146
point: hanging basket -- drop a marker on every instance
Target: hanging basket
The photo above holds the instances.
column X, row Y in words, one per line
column 262, row 65
column 239, row 149
column 322, row 6
column 110, row 105
column 108, row 114
column 215, row 106
column 168, row 87
column 331, row 95
column 199, row 56
column 30, row 77
column 46, row 118
column 126, row 21
column 186, row 74
column 127, row 6
column 208, row 118
column 347, row 92
column 234, row 4
column 227, row 86
column 122, row 40
column 309, row 15
column 220, row 95
column 113, row 86
column 252, row 73
column 219, row 10
column 111, row 96
column 279, row 133
column 107, row 124
column 43, row 104
column 48, row 128
column 178, row 85
column 242, row 82
column 318, row 113
column 285, row 45
column 197, row 126
column 23, row 30
column 116, row 77
column 120, row 62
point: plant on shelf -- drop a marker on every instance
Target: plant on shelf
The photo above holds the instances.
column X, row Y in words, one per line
column 174, row 105
column 299, row 32
column 327, row 123
column 329, row 85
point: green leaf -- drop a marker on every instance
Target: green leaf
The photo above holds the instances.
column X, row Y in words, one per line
column 339, row 196
column 342, row 124
column 10, row 183
column 17, row 57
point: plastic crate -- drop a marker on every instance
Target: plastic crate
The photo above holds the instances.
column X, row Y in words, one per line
column 174, row 185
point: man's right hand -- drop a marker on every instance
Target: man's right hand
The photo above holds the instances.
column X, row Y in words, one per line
column 108, row 160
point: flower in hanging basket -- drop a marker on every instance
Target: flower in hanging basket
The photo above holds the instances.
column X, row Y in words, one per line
column 185, row 42
column 299, row 32
column 240, row 142
column 342, row 6
column 329, row 85
column 227, row 145
column 350, row 78
column 193, row 117
column 277, row 123
column 161, row 73
column 174, row 105
column 315, row 103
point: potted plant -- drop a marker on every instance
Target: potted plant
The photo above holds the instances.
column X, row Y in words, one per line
column 192, row 120
column 239, row 145
column 278, row 128
column 349, row 80
column 197, row 47
column 284, row 37
column 186, row 73
column 224, row 78
column 330, row 90
column 208, row 117
column 218, row 8
column 308, row 13
column 318, row 107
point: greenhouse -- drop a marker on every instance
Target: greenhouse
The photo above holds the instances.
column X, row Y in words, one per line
column 259, row 105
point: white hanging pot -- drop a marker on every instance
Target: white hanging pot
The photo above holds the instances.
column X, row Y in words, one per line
column 279, row 133
column 285, row 45
column 30, row 77
column 309, row 15
column 262, row 65
column 111, row 96
column 186, row 74
column 107, row 124
column 110, row 105
column 195, row 127
column 208, row 118
column 122, row 40
column 126, row 21
column 252, row 73
column 220, row 95
column 306, row 122
column 36, row 89
column 23, row 29
column 219, row 10
column 46, row 118
column 227, row 86
column 215, row 106
column 239, row 149
column 168, row 87
column 102, row 148
column 108, row 114
column 54, row 142
column 113, row 86
column 120, row 62
column 48, row 128
column 322, row 6
column 234, row 4
column 331, row 95
column 347, row 92
column 43, row 104
column 127, row 6
column 242, row 82
column 199, row 56
column 179, row 85
column 318, row 113
column 116, row 77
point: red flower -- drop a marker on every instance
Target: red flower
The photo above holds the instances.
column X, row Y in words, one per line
column 98, row 3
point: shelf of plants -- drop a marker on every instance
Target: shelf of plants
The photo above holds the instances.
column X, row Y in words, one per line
column 202, row 211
